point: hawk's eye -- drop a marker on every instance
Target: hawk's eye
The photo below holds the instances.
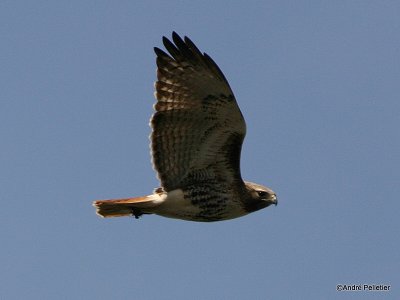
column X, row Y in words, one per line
column 262, row 193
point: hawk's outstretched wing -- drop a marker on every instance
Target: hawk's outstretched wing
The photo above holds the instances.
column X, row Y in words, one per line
column 198, row 128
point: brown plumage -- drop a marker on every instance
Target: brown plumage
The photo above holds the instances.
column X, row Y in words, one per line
column 196, row 140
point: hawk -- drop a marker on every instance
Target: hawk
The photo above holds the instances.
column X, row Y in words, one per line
column 196, row 140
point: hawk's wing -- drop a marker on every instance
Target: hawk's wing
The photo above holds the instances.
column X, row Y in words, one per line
column 198, row 128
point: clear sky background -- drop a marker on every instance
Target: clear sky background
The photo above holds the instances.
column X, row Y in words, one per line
column 319, row 85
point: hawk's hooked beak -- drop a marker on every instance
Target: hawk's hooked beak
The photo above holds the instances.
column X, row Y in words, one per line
column 270, row 199
column 274, row 199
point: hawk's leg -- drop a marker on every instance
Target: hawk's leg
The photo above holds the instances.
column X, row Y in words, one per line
column 136, row 213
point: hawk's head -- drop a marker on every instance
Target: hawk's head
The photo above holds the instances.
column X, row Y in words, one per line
column 260, row 197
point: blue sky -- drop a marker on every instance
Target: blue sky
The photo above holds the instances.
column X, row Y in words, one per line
column 318, row 84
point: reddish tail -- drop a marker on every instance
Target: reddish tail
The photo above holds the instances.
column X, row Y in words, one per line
column 123, row 207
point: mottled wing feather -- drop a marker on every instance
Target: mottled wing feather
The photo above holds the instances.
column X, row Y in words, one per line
column 198, row 128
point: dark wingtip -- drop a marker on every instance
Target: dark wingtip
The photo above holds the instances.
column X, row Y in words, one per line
column 165, row 40
column 159, row 52
column 175, row 35
column 177, row 39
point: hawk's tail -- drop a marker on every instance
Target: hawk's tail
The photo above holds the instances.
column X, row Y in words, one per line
column 125, row 207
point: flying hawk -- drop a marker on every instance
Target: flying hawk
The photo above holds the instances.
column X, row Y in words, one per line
column 196, row 140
